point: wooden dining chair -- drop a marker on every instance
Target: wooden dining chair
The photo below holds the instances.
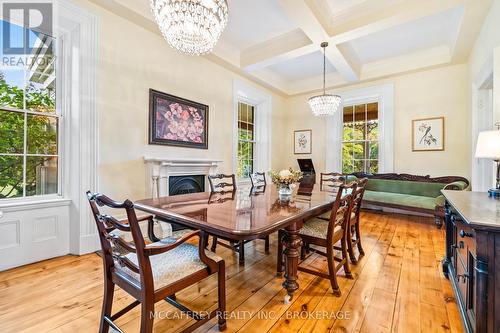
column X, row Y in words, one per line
column 331, row 235
column 354, row 238
column 258, row 179
column 222, row 183
column 330, row 180
column 151, row 271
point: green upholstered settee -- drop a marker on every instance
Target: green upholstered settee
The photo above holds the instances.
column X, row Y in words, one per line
column 410, row 192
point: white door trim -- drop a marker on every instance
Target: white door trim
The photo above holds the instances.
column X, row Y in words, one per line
column 483, row 170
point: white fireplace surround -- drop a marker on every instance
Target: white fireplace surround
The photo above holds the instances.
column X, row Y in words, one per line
column 159, row 170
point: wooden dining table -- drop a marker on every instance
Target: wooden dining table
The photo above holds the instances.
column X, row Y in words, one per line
column 247, row 214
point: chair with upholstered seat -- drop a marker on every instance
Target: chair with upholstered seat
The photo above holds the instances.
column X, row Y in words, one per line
column 151, row 271
column 354, row 238
column 328, row 234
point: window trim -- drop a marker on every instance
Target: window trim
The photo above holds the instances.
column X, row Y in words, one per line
column 384, row 95
column 253, row 141
column 60, row 135
column 262, row 102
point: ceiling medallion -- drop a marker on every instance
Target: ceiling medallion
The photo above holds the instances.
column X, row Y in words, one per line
column 325, row 104
column 191, row 26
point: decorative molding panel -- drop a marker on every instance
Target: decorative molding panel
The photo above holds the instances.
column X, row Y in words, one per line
column 45, row 228
column 10, row 234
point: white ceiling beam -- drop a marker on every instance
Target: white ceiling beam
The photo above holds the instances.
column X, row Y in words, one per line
column 305, row 17
column 473, row 12
column 287, row 46
column 389, row 17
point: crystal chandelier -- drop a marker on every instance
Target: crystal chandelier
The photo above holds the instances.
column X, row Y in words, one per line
column 325, row 104
column 191, row 26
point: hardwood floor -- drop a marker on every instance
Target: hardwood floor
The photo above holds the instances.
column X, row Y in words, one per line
column 397, row 287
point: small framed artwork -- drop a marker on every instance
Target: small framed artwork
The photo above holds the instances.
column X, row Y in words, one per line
column 303, row 142
column 175, row 121
column 428, row 134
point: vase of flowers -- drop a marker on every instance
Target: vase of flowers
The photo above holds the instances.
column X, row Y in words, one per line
column 283, row 181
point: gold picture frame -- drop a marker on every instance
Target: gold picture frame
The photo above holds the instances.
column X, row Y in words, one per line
column 427, row 134
column 302, row 142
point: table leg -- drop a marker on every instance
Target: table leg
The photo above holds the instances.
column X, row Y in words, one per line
column 292, row 242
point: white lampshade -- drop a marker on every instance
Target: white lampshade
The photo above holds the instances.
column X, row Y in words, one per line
column 488, row 145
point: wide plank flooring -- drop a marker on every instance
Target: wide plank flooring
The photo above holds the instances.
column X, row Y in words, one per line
column 397, row 287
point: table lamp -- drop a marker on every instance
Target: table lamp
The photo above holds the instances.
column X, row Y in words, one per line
column 488, row 146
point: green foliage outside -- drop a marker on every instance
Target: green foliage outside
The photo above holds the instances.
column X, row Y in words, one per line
column 360, row 145
column 245, row 153
column 41, row 134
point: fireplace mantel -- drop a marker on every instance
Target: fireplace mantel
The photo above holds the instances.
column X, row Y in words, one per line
column 159, row 170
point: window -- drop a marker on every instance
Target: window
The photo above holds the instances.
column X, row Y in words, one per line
column 360, row 142
column 246, row 139
column 29, row 122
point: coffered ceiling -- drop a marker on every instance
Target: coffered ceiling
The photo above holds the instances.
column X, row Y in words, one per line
column 277, row 42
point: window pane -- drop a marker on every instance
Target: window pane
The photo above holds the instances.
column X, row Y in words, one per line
column 360, row 112
column 359, row 150
column 41, row 135
column 250, row 114
column 347, row 157
column 373, row 148
column 359, row 130
column 359, row 165
column 373, row 166
column 41, row 175
column 12, row 88
column 11, row 132
column 372, row 130
column 40, row 92
column 348, row 114
column 249, row 131
column 348, row 131
column 11, row 176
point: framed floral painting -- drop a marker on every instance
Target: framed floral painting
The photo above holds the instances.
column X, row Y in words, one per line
column 302, row 142
column 428, row 134
column 175, row 121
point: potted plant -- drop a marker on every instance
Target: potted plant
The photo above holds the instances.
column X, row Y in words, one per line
column 283, row 181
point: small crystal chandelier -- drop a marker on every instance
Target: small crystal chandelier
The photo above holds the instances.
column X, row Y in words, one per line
column 191, row 26
column 325, row 104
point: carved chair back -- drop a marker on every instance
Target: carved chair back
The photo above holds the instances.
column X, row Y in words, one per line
column 115, row 247
column 341, row 211
column 358, row 197
column 222, row 183
column 258, row 179
column 331, row 179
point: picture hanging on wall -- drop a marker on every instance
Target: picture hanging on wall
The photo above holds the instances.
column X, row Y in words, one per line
column 175, row 121
column 428, row 134
column 303, row 142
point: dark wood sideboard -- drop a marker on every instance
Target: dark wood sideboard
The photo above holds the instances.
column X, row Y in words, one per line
column 472, row 261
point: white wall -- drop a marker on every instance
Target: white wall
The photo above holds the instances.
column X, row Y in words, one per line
column 132, row 60
column 433, row 93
